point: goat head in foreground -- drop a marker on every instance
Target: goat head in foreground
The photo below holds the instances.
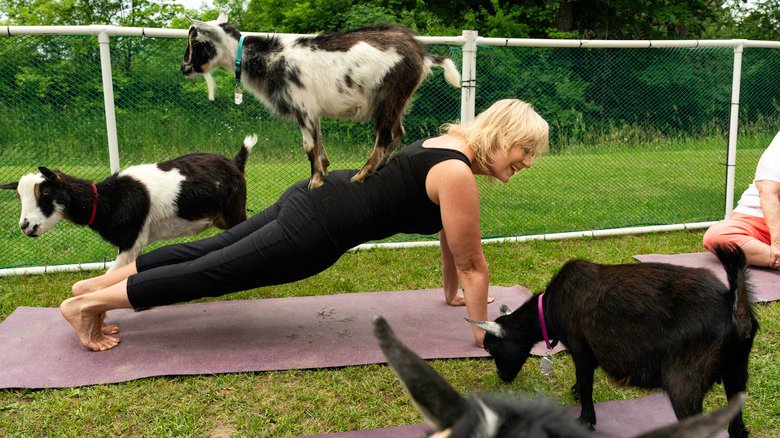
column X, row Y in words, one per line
column 455, row 416
column 141, row 204
column 651, row 325
column 366, row 74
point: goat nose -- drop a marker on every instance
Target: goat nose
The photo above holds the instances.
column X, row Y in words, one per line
column 25, row 223
column 186, row 68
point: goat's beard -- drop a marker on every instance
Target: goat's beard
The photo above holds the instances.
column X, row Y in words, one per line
column 210, row 84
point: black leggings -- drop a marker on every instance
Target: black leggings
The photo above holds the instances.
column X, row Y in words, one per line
column 283, row 243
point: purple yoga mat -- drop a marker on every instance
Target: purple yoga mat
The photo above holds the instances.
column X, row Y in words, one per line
column 617, row 418
column 766, row 282
column 39, row 349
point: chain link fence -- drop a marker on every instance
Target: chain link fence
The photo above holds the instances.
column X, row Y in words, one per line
column 638, row 136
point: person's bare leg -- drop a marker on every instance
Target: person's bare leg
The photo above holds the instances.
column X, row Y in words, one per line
column 85, row 313
column 757, row 253
column 103, row 281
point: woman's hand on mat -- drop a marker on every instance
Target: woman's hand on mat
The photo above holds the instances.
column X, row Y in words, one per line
column 458, row 300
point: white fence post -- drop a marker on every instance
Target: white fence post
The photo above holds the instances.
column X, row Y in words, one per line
column 733, row 127
column 468, row 82
column 108, row 99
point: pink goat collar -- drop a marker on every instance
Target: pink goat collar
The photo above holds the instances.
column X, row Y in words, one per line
column 94, row 205
column 550, row 345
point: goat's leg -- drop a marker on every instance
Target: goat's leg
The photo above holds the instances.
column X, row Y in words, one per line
column 125, row 258
column 388, row 135
column 397, row 134
column 686, row 386
column 585, row 365
column 312, row 143
column 735, row 377
column 373, row 160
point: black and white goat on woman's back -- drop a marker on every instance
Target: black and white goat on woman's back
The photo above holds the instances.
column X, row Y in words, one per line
column 141, row 204
column 362, row 74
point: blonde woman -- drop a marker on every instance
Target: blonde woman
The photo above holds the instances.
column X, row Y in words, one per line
column 425, row 188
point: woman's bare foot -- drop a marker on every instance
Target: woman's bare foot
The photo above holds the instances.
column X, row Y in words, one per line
column 106, row 328
column 88, row 325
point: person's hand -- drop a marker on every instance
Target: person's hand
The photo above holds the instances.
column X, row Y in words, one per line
column 479, row 338
column 458, row 300
column 774, row 256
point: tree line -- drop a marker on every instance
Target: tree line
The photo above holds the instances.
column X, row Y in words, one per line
column 582, row 90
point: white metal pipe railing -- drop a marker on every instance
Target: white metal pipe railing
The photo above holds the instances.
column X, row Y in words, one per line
column 397, row 245
column 108, row 99
column 468, row 82
column 731, row 160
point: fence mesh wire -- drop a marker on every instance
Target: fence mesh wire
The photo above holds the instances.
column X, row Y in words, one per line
column 638, row 136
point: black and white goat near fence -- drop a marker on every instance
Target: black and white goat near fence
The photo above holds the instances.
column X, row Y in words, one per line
column 361, row 74
column 141, row 204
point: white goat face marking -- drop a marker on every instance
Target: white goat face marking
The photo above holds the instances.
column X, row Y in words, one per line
column 490, row 424
column 40, row 212
column 207, row 48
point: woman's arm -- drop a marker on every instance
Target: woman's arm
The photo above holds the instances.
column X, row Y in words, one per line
column 769, row 193
column 449, row 275
column 452, row 186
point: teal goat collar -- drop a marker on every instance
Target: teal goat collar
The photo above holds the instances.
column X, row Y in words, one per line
column 238, row 58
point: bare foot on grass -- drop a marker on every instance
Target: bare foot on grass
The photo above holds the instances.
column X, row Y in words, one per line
column 88, row 325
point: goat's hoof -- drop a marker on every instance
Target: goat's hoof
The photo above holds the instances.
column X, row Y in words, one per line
column 585, row 422
column 315, row 183
column 359, row 177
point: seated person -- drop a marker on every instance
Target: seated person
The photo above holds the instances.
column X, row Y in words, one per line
column 755, row 224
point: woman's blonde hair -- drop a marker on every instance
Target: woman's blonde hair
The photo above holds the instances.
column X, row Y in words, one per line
column 507, row 123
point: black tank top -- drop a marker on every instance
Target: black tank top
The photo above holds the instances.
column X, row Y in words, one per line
column 392, row 200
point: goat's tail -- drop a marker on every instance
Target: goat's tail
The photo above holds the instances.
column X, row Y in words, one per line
column 735, row 263
column 451, row 73
column 243, row 153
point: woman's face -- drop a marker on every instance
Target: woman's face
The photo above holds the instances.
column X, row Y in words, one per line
column 503, row 166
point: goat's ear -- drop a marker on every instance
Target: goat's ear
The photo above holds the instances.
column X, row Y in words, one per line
column 205, row 30
column 702, row 425
column 505, row 310
column 9, row 186
column 222, row 17
column 50, row 175
column 493, row 328
column 436, row 400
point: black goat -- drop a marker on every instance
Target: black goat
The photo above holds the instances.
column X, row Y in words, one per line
column 361, row 74
column 488, row 416
column 651, row 325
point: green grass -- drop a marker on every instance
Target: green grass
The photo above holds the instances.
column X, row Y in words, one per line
column 293, row 403
column 605, row 187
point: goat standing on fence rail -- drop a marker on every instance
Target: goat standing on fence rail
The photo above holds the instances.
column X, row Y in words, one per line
column 494, row 416
column 651, row 325
column 362, row 74
column 141, row 204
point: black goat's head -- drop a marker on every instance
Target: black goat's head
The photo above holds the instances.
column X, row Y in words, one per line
column 455, row 416
column 511, row 337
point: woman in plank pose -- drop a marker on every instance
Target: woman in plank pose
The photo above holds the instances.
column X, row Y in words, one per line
column 427, row 187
